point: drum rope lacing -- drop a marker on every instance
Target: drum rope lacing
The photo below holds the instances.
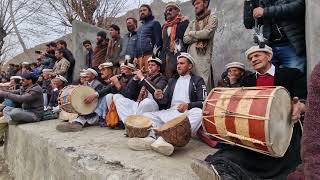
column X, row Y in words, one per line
column 235, row 114
column 230, row 134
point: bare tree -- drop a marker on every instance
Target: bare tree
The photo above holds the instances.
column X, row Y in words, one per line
column 95, row 12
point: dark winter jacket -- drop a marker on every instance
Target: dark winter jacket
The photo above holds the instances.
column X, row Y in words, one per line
column 129, row 44
column 31, row 99
column 197, row 92
column 149, row 34
column 132, row 91
column 287, row 14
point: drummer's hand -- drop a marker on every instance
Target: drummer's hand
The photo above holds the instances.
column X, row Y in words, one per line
column 158, row 94
column 90, row 98
column 182, row 107
column 297, row 109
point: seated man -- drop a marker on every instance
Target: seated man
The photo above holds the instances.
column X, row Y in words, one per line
column 233, row 75
column 52, row 112
column 15, row 83
column 46, row 85
column 234, row 162
column 90, row 119
column 183, row 95
column 117, row 84
column 143, row 89
column 30, row 96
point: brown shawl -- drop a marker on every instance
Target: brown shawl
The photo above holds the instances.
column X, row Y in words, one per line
column 202, row 45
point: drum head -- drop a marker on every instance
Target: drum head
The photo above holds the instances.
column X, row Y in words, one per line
column 172, row 123
column 280, row 126
column 77, row 100
column 138, row 121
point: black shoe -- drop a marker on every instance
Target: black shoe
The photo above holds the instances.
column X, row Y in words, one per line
column 204, row 170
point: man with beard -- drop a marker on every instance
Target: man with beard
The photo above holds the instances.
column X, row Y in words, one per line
column 87, row 44
column 130, row 39
column 114, row 45
column 48, row 57
column 199, row 36
column 62, row 45
column 172, row 33
column 149, row 35
column 100, row 51
column 62, row 65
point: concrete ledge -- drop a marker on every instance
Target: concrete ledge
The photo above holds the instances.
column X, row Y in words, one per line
column 37, row 152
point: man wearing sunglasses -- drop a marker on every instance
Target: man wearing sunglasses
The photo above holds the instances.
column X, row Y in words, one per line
column 172, row 34
column 283, row 27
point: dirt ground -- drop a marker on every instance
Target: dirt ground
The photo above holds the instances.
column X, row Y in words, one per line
column 4, row 172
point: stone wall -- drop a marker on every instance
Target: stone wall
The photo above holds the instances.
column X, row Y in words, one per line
column 312, row 33
column 81, row 32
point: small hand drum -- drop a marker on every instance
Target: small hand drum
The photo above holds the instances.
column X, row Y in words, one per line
column 176, row 132
column 138, row 126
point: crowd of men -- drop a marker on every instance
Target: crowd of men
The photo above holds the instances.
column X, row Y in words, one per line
column 164, row 71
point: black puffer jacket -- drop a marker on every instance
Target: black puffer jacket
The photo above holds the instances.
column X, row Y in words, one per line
column 288, row 14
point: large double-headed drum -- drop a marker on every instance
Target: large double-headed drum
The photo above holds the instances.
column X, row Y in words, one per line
column 256, row 118
column 71, row 100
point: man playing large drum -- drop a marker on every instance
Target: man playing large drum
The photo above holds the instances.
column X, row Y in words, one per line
column 234, row 162
column 184, row 94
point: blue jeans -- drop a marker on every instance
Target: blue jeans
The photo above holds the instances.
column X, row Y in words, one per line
column 284, row 55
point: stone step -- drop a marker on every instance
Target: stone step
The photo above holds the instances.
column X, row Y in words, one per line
column 38, row 151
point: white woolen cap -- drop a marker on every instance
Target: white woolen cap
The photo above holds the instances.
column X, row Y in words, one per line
column 254, row 49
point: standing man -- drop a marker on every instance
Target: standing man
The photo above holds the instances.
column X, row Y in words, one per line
column 284, row 28
column 87, row 44
column 130, row 39
column 173, row 31
column 199, row 36
column 149, row 35
column 114, row 45
column 62, row 65
column 61, row 44
column 100, row 51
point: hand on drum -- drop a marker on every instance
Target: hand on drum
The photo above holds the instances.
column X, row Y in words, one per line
column 182, row 107
column 158, row 94
column 90, row 98
column 297, row 109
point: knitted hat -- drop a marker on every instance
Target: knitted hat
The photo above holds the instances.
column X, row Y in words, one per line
column 156, row 60
column 61, row 78
column 254, row 49
column 173, row 4
column 105, row 65
column 188, row 56
column 235, row 65
column 94, row 72
column 15, row 77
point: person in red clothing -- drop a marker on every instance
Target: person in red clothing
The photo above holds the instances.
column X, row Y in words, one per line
column 234, row 162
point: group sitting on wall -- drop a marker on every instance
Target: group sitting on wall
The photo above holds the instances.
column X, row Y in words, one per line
column 163, row 73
